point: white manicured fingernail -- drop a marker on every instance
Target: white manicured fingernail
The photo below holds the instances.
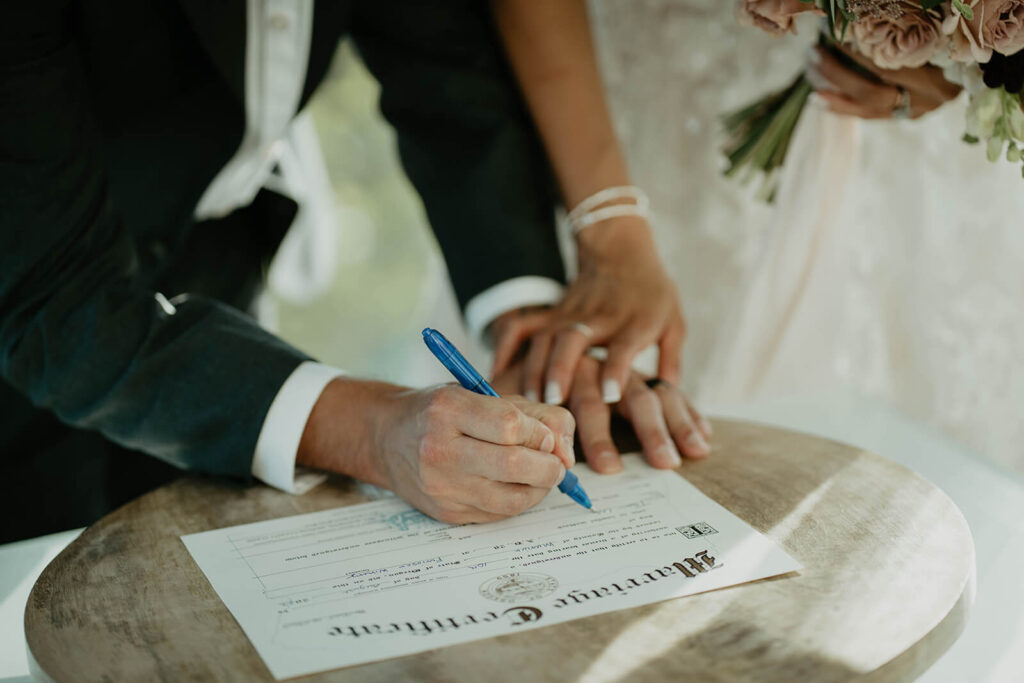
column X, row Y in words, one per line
column 669, row 453
column 567, row 443
column 531, row 395
column 696, row 444
column 561, row 477
column 552, row 393
column 705, row 426
column 610, row 391
column 548, row 444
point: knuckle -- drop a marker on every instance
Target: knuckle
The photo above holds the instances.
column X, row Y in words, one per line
column 441, row 404
column 431, row 452
column 663, row 389
column 513, row 464
column 542, row 339
column 515, row 502
column 508, row 424
column 562, row 420
column 652, row 437
column 681, row 429
column 560, row 365
column 647, row 403
column 590, row 405
column 513, row 327
column 638, row 391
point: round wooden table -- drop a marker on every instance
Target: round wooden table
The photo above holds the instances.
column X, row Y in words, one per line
column 887, row 585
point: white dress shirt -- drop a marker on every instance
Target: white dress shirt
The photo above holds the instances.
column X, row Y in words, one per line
column 280, row 151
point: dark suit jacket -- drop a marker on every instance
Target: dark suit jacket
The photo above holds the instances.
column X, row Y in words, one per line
column 115, row 115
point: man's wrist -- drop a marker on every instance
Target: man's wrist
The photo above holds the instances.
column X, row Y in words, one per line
column 340, row 433
column 510, row 295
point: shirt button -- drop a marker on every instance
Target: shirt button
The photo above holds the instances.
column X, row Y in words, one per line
column 278, row 22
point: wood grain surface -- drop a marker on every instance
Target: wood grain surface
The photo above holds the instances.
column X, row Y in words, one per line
column 887, row 585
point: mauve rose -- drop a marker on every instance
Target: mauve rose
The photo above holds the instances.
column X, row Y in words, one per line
column 997, row 25
column 908, row 41
column 774, row 16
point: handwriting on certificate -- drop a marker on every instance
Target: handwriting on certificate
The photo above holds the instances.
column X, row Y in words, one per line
column 367, row 582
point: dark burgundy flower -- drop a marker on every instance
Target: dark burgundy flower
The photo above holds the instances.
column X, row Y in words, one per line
column 1007, row 72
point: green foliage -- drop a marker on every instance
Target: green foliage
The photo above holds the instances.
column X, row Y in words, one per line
column 759, row 135
column 996, row 117
column 966, row 11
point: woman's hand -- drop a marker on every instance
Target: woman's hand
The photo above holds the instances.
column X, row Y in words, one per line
column 847, row 92
column 458, row 456
column 664, row 420
column 622, row 299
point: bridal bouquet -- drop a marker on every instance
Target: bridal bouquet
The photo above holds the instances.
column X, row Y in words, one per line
column 979, row 44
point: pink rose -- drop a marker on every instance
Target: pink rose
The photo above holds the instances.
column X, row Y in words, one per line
column 997, row 25
column 905, row 37
column 774, row 16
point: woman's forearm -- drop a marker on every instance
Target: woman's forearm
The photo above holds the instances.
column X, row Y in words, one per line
column 551, row 51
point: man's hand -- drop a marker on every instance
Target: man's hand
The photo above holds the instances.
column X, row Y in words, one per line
column 457, row 456
column 664, row 420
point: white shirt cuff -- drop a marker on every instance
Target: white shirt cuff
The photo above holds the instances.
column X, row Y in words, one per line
column 278, row 442
column 528, row 290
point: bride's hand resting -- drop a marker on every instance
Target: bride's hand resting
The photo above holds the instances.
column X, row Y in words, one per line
column 665, row 422
column 850, row 93
column 622, row 299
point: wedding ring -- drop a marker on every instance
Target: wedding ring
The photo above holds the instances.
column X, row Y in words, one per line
column 584, row 329
column 901, row 110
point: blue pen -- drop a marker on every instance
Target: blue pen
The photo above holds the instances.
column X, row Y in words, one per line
column 470, row 379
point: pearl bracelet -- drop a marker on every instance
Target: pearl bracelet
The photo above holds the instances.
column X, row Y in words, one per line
column 589, row 211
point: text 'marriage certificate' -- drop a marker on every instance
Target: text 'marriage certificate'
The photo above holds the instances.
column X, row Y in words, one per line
column 378, row 580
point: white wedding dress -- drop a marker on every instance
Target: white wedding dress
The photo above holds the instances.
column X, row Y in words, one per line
column 892, row 262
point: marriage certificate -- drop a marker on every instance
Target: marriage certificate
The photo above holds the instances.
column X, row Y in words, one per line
column 367, row 582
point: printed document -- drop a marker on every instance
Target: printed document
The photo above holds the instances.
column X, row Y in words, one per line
column 377, row 580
